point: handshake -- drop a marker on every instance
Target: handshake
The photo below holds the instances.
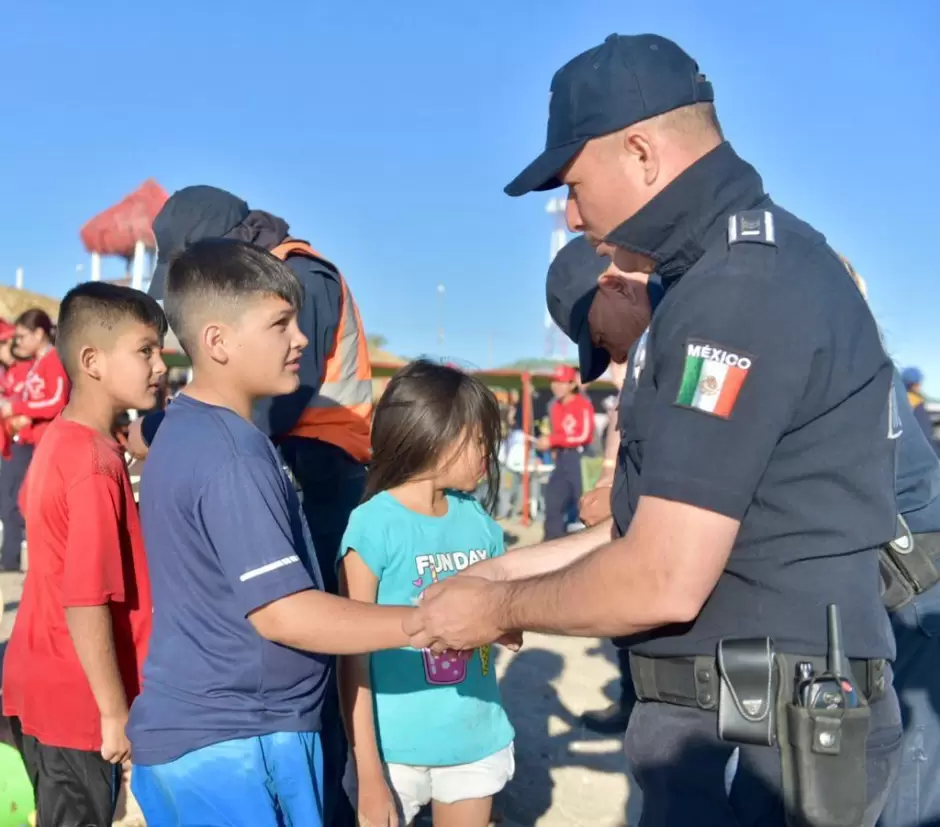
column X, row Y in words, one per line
column 464, row 612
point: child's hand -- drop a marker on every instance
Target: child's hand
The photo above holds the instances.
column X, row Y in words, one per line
column 17, row 423
column 376, row 806
column 115, row 748
column 512, row 641
column 491, row 569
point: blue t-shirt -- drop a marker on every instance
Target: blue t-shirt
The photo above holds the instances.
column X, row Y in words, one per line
column 429, row 711
column 225, row 535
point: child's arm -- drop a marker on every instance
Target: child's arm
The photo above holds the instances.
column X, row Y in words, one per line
column 93, row 638
column 93, row 577
column 256, row 529
column 319, row 622
column 375, row 803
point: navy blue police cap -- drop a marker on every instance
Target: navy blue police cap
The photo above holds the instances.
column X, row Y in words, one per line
column 190, row 215
column 569, row 291
column 625, row 80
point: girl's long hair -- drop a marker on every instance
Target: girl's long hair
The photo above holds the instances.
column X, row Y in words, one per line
column 35, row 319
column 425, row 410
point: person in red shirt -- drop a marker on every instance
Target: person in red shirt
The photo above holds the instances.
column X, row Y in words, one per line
column 42, row 396
column 572, row 428
column 74, row 659
column 10, row 378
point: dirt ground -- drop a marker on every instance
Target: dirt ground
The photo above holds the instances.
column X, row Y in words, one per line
column 565, row 776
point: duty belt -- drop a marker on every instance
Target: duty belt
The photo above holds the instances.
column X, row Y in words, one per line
column 693, row 681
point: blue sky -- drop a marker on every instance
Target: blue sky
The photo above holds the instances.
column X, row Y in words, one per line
column 384, row 133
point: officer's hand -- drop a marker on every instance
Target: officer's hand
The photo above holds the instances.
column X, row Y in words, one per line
column 136, row 446
column 461, row 613
column 595, row 506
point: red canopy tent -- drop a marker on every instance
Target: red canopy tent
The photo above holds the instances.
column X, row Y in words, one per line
column 116, row 231
column 125, row 229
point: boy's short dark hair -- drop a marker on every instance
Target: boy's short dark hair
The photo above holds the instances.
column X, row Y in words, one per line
column 215, row 275
column 98, row 305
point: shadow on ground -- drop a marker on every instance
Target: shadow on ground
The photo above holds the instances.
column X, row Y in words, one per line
column 548, row 737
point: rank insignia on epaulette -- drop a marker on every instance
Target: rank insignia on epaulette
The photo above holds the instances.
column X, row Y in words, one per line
column 756, row 226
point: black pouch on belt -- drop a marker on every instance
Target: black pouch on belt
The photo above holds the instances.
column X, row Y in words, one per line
column 822, row 732
column 747, row 691
column 907, row 566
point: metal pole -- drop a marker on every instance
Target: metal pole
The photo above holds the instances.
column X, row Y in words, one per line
column 556, row 208
column 137, row 274
column 95, row 267
column 440, row 319
column 19, row 278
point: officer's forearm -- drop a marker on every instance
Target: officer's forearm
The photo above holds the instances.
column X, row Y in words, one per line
column 584, row 600
column 531, row 561
column 660, row 573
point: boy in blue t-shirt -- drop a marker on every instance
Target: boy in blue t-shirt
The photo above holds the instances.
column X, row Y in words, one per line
column 225, row 731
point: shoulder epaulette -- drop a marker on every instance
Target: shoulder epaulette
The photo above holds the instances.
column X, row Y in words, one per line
column 754, row 226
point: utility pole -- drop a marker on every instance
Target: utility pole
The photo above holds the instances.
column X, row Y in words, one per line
column 553, row 337
column 440, row 319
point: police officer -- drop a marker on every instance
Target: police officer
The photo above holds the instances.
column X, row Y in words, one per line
column 915, row 799
column 583, row 288
column 758, row 461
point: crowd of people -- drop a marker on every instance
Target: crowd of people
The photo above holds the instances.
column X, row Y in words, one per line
column 763, row 477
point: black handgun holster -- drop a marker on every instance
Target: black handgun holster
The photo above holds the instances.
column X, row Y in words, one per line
column 823, row 758
column 908, row 566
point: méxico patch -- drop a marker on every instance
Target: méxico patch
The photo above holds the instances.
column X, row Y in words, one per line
column 712, row 378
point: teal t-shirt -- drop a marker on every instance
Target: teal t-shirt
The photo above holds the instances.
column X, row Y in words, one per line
column 430, row 711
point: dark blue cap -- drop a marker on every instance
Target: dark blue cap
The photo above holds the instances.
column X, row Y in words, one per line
column 625, row 80
column 189, row 215
column 569, row 290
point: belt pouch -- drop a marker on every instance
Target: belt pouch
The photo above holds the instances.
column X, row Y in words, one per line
column 824, row 762
column 907, row 566
column 747, row 691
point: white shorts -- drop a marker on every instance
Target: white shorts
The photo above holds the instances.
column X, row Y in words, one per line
column 413, row 787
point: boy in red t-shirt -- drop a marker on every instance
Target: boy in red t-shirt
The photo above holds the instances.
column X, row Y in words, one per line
column 73, row 662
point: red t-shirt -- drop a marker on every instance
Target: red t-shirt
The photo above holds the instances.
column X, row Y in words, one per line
column 85, row 549
column 43, row 396
column 572, row 422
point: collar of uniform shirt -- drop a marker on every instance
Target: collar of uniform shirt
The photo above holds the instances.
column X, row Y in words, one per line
column 678, row 224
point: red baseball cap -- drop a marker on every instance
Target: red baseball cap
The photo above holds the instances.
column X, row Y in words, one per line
column 564, row 373
column 7, row 330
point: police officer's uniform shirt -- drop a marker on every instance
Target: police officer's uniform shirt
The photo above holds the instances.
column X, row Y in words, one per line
column 619, row 493
column 763, row 397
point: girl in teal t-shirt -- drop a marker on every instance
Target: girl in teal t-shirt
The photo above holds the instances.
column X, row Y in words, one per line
column 423, row 727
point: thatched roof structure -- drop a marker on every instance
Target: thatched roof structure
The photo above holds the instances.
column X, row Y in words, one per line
column 14, row 301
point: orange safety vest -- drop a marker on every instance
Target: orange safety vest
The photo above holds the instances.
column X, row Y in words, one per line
column 341, row 412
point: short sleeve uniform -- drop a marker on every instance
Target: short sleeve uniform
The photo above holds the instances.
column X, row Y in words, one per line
column 226, row 536
column 764, row 396
column 430, row 710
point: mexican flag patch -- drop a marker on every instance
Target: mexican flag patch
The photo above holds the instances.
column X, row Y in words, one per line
column 712, row 378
